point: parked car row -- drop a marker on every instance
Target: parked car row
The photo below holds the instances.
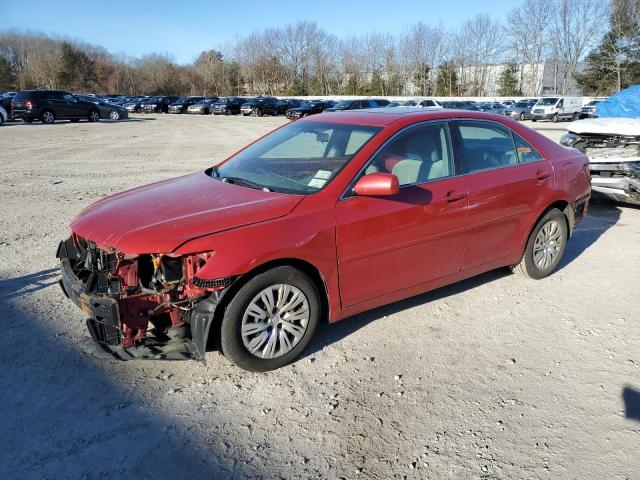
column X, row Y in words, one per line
column 49, row 105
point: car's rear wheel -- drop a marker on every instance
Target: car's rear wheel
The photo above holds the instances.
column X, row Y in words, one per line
column 114, row 115
column 521, row 116
column 48, row 117
column 270, row 320
column 94, row 116
column 545, row 246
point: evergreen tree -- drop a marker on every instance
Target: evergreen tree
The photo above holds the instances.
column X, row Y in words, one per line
column 447, row 81
column 78, row 69
column 508, row 81
column 615, row 64
column 7, row 79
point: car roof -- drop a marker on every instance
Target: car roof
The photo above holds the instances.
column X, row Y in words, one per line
column 383, row 117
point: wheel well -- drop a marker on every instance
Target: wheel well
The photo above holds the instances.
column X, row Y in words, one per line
column 564, row 207
column 310, row 270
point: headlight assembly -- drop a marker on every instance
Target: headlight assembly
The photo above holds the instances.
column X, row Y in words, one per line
column 569, row 139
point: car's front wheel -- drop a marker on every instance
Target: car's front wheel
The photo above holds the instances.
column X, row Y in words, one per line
column 545, row 247
column 114, row 115
column 270, row 320
column 521, row 116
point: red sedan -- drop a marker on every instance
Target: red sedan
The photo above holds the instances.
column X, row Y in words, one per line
column 319, row 220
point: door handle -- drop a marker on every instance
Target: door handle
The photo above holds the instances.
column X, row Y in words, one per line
column 454, row 195
column 541, row 174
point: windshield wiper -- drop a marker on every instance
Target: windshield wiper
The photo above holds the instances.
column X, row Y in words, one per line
column 239, row 181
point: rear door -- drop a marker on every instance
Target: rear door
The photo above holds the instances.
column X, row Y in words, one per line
column 387, row 244
column 509, row 183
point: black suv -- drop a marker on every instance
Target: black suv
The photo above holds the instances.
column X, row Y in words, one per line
column 309, row 108
column 181, row 105
column 158, row 104
column 285, row 104
column 228, row 106
column 260, row 106
column 51, row 105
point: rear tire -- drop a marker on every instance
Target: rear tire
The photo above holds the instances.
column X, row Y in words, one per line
column 545, row 246
column 533, row 120
column 521, row 116
column 94, row 116
column 303, row 300
column 48, row 117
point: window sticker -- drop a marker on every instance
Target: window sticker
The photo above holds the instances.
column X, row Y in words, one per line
column 317, row 182
column 524, row 149
column 324, row 174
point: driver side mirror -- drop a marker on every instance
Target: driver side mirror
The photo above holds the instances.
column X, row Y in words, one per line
column 377, row 184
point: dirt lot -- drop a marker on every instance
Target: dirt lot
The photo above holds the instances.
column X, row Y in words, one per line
column 496, row 377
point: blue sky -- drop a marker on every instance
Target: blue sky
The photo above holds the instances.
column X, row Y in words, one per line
column 184, row 29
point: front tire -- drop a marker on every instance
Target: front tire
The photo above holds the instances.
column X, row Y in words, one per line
column 270, row 320
column 114, row 115
column 545, row 246
column 554, row 119
column 521, row 116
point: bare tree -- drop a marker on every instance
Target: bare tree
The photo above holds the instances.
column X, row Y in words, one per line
column 527, row 32
column 576, row 27
column 483, row 40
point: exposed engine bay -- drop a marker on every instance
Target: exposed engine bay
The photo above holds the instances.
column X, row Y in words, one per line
column 141, row 306
column 614, row 163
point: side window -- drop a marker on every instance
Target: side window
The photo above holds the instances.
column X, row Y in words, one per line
column 526, row 153
column 372, row 104
column 560, row 104
column 428, row 103
column 54, row 96
column 418, row 155
column 67, row 97
column 485, row 145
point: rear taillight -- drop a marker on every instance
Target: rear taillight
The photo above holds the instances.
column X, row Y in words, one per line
column 28, row 104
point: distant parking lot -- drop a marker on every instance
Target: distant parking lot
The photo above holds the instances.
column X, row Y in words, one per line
column 494, row 377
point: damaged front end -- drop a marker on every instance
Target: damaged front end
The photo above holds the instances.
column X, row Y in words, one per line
column 614, row 163
column 141, row 306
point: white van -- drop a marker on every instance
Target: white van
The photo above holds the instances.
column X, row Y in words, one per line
column 557, row 108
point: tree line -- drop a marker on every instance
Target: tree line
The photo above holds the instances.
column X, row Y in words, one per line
column 303, row 59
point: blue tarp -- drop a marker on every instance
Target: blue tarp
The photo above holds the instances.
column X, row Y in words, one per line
column 625, row 103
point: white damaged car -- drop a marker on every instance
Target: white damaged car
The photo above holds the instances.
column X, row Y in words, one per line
column 613, row 148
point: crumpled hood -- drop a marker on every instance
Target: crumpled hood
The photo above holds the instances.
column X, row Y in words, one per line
column 160, row 217
column 606, row 126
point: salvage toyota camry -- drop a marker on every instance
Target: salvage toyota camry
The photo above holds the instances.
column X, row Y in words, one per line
column 319, row 220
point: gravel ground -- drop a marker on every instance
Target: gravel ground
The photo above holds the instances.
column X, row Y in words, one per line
column 496, row 377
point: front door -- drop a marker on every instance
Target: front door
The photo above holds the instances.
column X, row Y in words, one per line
column 387, row 244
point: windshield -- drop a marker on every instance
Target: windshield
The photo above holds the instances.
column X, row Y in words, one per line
column 300, row 158
column 547, row 101
column 522, row 104
column 181, row 100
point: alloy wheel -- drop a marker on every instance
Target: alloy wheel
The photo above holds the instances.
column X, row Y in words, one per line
column 275, row 321
column 547, row 245
column 114, row 115
column 47, row 117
